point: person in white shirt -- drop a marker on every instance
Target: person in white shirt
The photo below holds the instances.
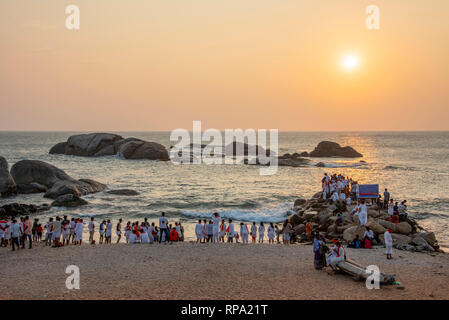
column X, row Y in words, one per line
column 144, row 236
column 222, row 230
column 336, row 255
column 216, row 221
column 342, row 196
column 178, row 230
column 56, row 230
column 348, row 201
column 163, row 222
column 253, row 232
column 151, row 232
column 230, row 231
column 15, row 234
column 261, row 232
column 108, row 234
column 91, row 228
column 339, row 186
column 66, row 233
column 335, row 197
column 133, row 237
column 388, row 243
column 271, row 233
column 79, row 226
column 244, row 232
column 199, row 231
column 390, row 208
column 363, row 213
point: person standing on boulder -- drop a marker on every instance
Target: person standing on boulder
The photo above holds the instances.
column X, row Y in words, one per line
column 386, row 198
column 163, row 222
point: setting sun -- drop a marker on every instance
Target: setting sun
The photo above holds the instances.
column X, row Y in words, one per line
column 350, row 62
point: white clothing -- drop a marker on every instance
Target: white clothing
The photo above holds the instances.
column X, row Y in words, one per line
column 363, row 214
column 261, row 232
column 199, row 231
column 163, row 222
column 91, row 226
column 270, row 233
column 144, row 237
column 337, row 254
column 388, row 242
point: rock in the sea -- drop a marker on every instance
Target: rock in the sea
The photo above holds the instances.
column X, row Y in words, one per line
column 30, row 174
column 20, row 209
column 86, row 144
column 33, row 187
column 75, row 187
column 69, row 200
column 107, row 144
column 247, row 149
column 333, row 149
column 299, row 202
column 320, row 165
column 7, row 184
column 139, row 149
column 124, row 192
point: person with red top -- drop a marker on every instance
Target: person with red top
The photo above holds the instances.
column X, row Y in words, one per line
column 174, row 236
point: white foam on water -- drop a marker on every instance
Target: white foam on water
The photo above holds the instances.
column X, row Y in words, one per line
column 275, row 214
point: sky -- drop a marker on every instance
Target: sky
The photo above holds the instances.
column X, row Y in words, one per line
column 156, row 65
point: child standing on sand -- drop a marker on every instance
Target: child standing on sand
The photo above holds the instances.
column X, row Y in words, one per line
column 271, row 233
column 222, row 230
column 230, row 231
column 253, row 232
column 199, row 231
column 244, row 232
column 261, row 232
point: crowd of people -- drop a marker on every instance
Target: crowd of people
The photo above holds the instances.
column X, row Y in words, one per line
column 342, row 191
column 63, row 232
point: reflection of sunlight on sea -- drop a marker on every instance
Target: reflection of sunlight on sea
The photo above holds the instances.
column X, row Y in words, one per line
column 413, row 166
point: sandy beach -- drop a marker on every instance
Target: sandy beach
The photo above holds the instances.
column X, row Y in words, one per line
column 211, row 271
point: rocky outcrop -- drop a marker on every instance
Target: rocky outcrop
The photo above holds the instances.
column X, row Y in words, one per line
column 292, row 160
column 33, row 187
column 230, row 150
column 33, row 175
column 333, row 149
column 139, row 149
column 123, row 192
column 320, row 213
column 7, row 184
column 69, row 200
column 20, row 209
column 86, row 144
column 107, row 144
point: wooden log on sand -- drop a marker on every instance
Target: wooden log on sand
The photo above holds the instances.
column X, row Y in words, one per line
column 359, row 272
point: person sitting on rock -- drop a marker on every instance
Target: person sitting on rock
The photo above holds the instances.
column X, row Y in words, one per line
column 336, row 255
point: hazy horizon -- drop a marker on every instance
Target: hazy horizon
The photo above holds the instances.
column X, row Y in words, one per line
column 140, row 66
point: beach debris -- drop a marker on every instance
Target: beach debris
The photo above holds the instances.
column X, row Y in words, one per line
column 359, row 272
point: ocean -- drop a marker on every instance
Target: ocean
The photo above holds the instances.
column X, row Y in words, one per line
column 414, row 166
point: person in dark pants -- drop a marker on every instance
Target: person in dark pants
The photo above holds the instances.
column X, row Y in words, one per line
column 27, row 232
column 163, row 222
column 15, row 235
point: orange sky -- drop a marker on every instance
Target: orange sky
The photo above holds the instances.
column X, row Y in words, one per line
column 159, row 64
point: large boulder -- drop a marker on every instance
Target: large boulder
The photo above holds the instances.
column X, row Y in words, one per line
column 375, row 226
column 20, row 209
column 403, row 228
column 400, row 241
column 333, row 149
column 33, row 187
column 33, row 175
column 422, row 244
column 7, row 184
column 350, row 233
column 428, row 236
column 74, row 187
column 299, row 229
column 230, row 150
column 139, row 149
column 69, row 200
column 86, row 144
column 35, row 171
column 299, row 202
column 295, row 219
column 388, row 225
